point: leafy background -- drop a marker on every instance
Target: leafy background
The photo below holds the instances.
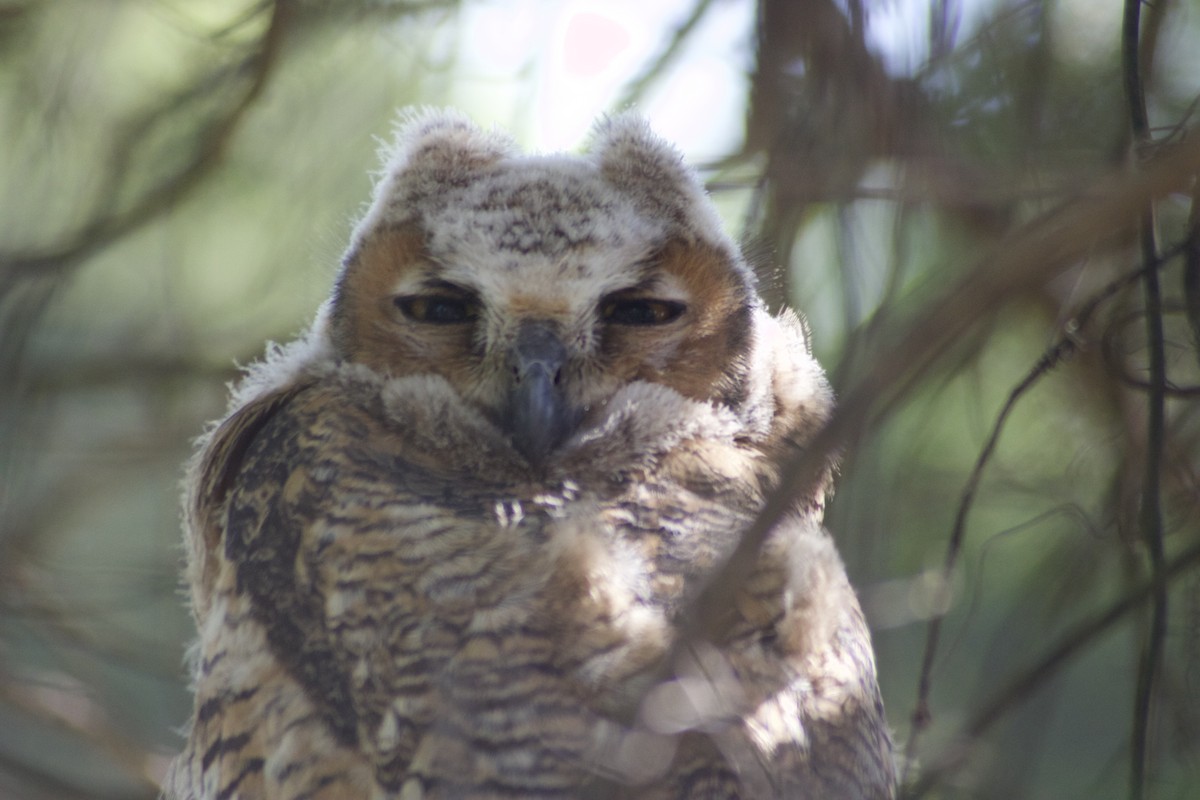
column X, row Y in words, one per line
column 959, row 194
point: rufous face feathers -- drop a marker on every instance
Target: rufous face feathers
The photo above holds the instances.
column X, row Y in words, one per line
column 540, row 285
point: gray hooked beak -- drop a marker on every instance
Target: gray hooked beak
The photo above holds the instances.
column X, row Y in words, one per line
column 538, row 414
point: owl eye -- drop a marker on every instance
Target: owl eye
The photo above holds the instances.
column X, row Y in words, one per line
column 438, row 309
column 640, row 311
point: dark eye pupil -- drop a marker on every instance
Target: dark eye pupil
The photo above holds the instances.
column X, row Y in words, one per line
column 442, row 309
column 641, row 312
column 438, row 309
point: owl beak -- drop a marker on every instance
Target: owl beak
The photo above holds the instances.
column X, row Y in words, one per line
column 539, row 416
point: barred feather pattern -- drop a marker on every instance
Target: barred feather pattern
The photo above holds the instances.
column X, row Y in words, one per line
column 422, row 639
column 395, row 600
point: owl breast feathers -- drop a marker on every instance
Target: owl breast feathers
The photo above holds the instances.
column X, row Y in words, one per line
column 441, row 546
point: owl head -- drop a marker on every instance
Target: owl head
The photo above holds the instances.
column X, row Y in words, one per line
column 538, row 286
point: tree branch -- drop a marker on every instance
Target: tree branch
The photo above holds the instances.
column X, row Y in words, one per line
column 638, row 85
column 1065, row 347
column 1037, row 674
column 1151, row 507
column 109, row 227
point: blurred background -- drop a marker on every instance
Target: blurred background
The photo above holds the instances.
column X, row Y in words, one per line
column 954, row 192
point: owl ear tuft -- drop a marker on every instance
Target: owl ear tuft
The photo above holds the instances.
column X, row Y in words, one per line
column 652, row 173
column 443, row 145
column 634, row 159
column 433, row 150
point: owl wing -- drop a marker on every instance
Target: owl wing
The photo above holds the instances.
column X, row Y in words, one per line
column 258, row 729
column 365, row 616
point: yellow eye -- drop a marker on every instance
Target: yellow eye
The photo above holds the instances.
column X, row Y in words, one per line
column 437, row 309
column 640, row 311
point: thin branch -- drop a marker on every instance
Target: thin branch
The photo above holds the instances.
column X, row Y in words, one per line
column 1151, row 507
column 1021, row 687
column 1191, row 270
column 1122, row 371
column 1035, row 254
column 653, row 71
column 1065, row 347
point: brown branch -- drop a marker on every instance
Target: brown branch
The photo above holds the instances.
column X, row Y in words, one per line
column 1029, row 258
column 101, row 736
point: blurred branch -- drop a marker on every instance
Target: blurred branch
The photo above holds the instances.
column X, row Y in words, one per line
column 79, row 717
column 108, row 227
column 30, row 280
column 1033, row 255
column 822, row 108
column 637, row 87
column 51, row 787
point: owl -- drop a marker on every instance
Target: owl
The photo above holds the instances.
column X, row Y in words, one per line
column 444, row 544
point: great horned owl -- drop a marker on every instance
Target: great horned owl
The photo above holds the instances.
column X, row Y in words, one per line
column 441, row 545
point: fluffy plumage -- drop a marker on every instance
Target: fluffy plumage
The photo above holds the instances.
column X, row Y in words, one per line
column 440, row 544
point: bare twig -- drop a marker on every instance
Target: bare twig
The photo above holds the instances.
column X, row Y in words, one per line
column 1113, row 356
column 1033, row 255
column 1065, row 347
column 1191, row 270
column 1151, row 508
column 1037, row 674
